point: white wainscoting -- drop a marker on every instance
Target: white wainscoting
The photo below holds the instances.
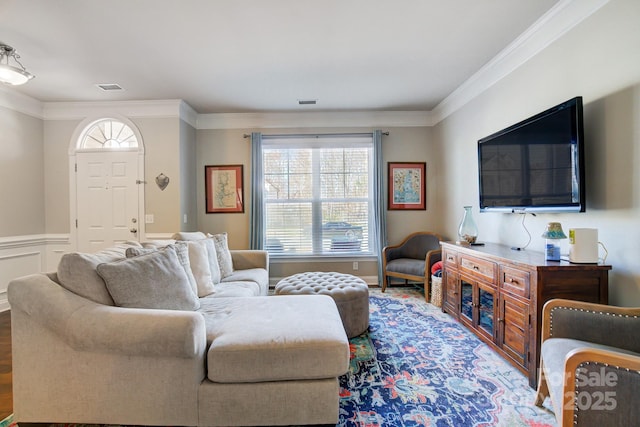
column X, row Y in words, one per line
column 24, row 255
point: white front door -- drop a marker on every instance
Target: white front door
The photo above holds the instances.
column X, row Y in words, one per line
column 107, row 199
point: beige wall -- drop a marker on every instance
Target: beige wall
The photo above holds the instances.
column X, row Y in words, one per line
column 188, row 201
column 57, row 140
column 162, row 155
column 21, row 174
column 599, row 60
column 161, row 138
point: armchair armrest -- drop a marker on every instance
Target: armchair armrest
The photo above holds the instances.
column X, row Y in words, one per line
column 432, row 257
column 244, row 259
column 600, row 388
column 597, row 323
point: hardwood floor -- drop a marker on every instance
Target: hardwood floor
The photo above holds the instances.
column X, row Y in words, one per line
column 6, row 396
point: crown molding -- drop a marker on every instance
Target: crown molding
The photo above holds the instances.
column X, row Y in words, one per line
column 188, row 114
column 132, row 109
column 16, row 101
column 559, row 20
column 314, row 119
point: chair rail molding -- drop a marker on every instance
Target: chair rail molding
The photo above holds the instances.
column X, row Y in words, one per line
column 24, row 255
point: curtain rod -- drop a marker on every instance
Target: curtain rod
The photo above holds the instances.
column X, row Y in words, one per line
column 316, row 135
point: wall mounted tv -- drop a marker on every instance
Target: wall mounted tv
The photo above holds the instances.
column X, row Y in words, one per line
column 536, row 165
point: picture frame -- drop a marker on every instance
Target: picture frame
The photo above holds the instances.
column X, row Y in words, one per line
column 224, row 188
column 407, row 186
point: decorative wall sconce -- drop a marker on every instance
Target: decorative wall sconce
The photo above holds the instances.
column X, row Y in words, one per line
column 162, row 181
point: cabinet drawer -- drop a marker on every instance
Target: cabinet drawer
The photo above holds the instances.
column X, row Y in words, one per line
column 450, row 258
column 515, row 281
column 478, row 267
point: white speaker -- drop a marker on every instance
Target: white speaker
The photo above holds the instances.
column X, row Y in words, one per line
column 583, row 245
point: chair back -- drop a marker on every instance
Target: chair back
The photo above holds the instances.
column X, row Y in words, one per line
column 417, row 245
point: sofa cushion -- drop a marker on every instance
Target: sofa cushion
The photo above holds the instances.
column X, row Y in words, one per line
column 236, row 289
column 224, row 255
column 259, row 339
column 153, row 280
column 77, row 272
column 259, row 276
column 182, row 250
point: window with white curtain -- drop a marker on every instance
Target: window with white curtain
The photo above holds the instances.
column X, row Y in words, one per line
column 318, row 195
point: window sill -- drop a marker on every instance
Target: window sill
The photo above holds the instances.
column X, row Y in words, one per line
column 282, row 259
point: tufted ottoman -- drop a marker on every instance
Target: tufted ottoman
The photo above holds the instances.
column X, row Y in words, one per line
column 350, row 293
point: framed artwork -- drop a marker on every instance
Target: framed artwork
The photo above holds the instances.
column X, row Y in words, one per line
column 224, row 188
column 407, row 186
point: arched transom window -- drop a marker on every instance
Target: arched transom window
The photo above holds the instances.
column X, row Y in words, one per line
column 108, row 134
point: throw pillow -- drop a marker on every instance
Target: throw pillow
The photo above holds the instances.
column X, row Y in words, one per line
column 153, row 280
column 224, row 255
column 189, row 235
column 77, row 272
column 155, row 244
column 182, row 250
column 216, row 275
column 200, row 266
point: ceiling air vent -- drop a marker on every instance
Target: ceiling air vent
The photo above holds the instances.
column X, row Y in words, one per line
column 307, row 101
column 109, row 87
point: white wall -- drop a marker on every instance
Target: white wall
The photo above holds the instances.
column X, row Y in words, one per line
column 600, row 60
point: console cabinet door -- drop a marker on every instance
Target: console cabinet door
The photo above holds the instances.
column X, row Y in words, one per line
column 478, row 302
column 451, row 292
column 486, row 310
column 467, row 302
column 514, row 328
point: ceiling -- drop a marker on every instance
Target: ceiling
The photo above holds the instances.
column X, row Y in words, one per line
column 234, row 56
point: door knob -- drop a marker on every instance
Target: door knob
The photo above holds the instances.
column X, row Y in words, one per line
column 133, row 230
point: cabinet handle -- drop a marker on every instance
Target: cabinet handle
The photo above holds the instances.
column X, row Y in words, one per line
column 514, row 281
column 475, row 267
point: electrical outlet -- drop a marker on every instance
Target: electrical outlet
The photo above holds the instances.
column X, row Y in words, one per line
column 355, row 265
column 184, row 218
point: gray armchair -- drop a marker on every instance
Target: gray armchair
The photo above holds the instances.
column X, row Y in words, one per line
column 412, row 259
column 590, row 363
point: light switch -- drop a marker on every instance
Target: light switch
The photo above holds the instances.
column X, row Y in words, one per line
column 148, row 218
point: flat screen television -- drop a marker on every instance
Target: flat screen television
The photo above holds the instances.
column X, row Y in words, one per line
column 536, row 165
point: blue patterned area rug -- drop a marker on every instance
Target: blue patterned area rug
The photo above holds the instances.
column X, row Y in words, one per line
column 417, row 366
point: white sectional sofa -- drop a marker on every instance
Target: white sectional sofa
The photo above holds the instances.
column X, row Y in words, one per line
column 85, row 351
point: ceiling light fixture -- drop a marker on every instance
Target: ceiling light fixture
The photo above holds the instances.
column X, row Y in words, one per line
column 8, row 73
